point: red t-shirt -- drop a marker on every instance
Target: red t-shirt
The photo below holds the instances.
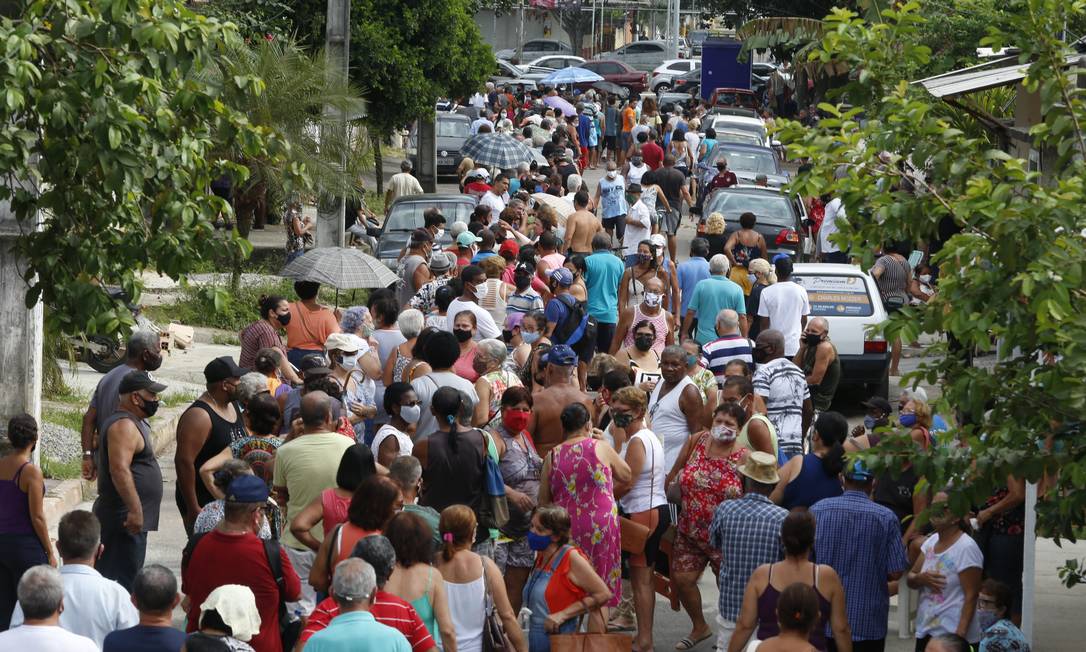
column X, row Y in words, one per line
column 653, row 155
column 725, row 179
column 387, row 609
column 220, row 559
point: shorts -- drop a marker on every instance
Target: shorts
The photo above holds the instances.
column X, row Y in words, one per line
column 657, row 521
column 616, row 224
column 670, row 221
column 514, row 554
column 610, row 142
column 689, row 555
column 604, row 334
column 627, row 140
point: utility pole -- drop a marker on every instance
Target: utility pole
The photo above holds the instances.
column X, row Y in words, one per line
column 331, row 211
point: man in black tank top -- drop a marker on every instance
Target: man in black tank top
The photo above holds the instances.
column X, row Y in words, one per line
column 210, row 424
column 129, row 479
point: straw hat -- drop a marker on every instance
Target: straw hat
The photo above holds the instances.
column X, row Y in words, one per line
column 761, row 467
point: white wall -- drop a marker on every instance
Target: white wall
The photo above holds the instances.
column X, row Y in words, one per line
column 501, row 32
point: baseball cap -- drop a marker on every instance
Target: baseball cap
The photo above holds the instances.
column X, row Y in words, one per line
column 222, row 368
column 857, row 472
column 314, row 365
column 659, row 241
column 137, row 380
column 560, row 355
column 509, row 247
column 340, row 342
column 878, row 403
column 467, row 238
column 562, row 276
column 247, row 489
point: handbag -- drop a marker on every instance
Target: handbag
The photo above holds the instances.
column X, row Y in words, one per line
column 494, row 511
column 591, row 642
column 494, row 637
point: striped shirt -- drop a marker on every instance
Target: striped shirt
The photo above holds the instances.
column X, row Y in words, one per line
column 387, row 609
column 717, row 354
column 784, row 388
column 257, row 335
column 895, row 277
column 747, row 531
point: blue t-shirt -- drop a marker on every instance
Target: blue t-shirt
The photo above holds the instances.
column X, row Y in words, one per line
column 690, row 272
column 584, row 124
column 613, row 197
column 710, row 297
column 602, row 276
column 144, row 638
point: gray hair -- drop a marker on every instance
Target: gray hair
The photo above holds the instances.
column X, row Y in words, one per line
column 353, row 582
column 523, row 166
column 910, row 393
column 40, row 592
column 727, row 321
column 820, row 321
column 250, row 385
column 405, row 165
column 410, row 323
column 405, row 471
column 140, row 341
column 719, row 265
column 573, row 183
column 493, row 350
column 154, row 589
column 377, row 551
column 673, row 350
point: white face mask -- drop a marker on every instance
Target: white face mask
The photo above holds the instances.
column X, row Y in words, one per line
column 440, row 233
column 480, row 291
column 723, row 433
column 925, row 278
column 411, row 413
column 653, row 299
column 348, row 362
column 611, row 174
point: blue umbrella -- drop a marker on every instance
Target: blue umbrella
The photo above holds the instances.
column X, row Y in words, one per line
column 572, row 75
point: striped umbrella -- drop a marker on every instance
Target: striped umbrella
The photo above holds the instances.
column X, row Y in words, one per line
column 498, row 150
column 343, row 268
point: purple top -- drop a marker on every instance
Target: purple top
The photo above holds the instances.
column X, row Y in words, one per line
column 14, row 506
column 767, row 613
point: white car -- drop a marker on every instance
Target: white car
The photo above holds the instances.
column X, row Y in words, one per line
column 664, row 74
column 543, row 66
column 849, row 300
column 533, row 49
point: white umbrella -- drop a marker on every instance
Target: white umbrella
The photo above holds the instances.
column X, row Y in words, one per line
column 561, row 205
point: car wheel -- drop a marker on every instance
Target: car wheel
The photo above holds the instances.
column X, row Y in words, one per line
column 662, row 88
column 882, row 387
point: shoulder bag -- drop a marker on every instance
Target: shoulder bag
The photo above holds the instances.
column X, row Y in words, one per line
column 591, row 642
column 494, row 510
column 494, row 637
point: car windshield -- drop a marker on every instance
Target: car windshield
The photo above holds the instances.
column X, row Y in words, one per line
column 453, row 128
column 770, row 208
column 735, row 125
column 836, row 295
column 407, row 216
column 745, row 160
column 738, row 137
column 735, row 99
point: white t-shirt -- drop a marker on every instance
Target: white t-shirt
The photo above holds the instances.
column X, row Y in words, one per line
column 402, row 184
column 635, row 234
column 647, row 491
column 938, row 613
column 94, row 606
column 425, row 388
column 784, row 388
column 486, row 327
column 693, row 142
column 785, row 304
column 496, row 204
column 45, row 638
column 835, row 209
column 386, row 431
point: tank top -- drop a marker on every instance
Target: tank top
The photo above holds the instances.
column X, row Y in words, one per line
column 767, row 612
column 407, row 267
column 634, row 176
column 743, row 254
column 333, row 510
column 647, row 491
column 668, row 421
column 811, row 485
column 146, row 476
column 744, row 441
column 465, row 365
column 613, row 197
column 349, row 535
column 15, row 506
column 467, row 607
column 425, row 609
column 223, row 433
column 454, row 477
column 659, row 322
column 648, row 193
column 642, row 376
column 493, row 301
column 822, row 393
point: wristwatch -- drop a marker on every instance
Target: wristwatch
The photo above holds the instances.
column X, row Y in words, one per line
column 88, row 453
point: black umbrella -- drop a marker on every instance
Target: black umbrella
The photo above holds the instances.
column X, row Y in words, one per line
column 612, row 88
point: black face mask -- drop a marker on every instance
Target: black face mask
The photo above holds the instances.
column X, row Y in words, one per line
column 149, row 407
column 812, row 339
column 152, row 362
column 644, row 342
column 462, row 335
column 594, row 383
column 283, row 319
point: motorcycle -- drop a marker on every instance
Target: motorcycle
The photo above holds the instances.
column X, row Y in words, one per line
column 105, row 353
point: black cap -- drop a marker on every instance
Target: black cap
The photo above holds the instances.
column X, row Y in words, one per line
column 222, row 368
column 314, row 365
column 878, row 403
column 136, row 380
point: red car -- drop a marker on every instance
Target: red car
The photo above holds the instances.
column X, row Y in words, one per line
column 739, row 97
column 619, row 73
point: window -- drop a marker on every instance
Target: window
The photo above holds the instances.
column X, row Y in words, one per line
column 408, row 216
column 836, row 295
column 450, row 128
column 771, row 209
column 610, row 69
column 549, row 46
column 635, row 48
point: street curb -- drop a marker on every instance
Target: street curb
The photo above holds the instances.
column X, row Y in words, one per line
column 69, row 494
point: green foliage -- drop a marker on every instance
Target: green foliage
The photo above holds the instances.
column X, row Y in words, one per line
column 953, row 29
column 71, row 419
column 255, row 19
column 107, row 141
column 57, row 470
column 1013, row 275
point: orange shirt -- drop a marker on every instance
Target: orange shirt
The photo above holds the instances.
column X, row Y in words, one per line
column 629, row 116
column 308, row 329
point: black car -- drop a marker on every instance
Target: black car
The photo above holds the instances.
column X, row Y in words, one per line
column 452, row 129
column 405, row 215
column 689, row 83
column 780, row 218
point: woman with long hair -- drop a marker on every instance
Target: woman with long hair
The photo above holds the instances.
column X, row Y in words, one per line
column 809, row 478
column 414, row 578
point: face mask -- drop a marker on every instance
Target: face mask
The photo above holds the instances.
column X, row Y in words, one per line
column 653, row 299
column 723, row 433
column 152, row 363
column 753, row 278
column 622, row 419
column 149, row 407
column 480, row 291
column 440, row 233
column 348, row 362
column 986, row 618
column 907, row 420
column 870, row 422
column 367, row 332
column 462, row 335
column 926, row 278
column 812, row 339
column 538, row 542
column 529, row 337
column 283, row 319
column 644, row 258
column 611, row 174
column 515, row 420
column 644, row 342
column 411, row 413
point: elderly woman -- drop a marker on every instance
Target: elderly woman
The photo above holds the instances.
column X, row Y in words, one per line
column 763, row 278
column 354, row 369
column 493, row 380
column 410, row 323
column 526, row 334
column 714, row 233
column 998, row 633
column 705, row 474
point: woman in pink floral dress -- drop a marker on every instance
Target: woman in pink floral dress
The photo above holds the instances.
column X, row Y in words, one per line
column 580, row 474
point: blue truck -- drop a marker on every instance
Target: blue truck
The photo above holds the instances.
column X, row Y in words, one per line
column 721, row 67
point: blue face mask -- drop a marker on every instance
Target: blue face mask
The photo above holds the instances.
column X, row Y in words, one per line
column 538, row 542
column 907, row 420
column 869, row 422
column 529, row 337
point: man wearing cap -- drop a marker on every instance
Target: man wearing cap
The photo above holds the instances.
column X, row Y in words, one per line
column 402, row 184
column 441, row 266
column 465, row 248
column 209, row 425
column 232, row 553
column 355, row 629
column 747, row 531
column 861, row 540
column 474, row 279
column 560, row 390
column 412, row 269
column 129, row 479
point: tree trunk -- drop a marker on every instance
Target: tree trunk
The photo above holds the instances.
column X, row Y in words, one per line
column 378, row 170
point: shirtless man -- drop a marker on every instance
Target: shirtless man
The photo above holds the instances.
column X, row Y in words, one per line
column 581, row 226
column 545, row 425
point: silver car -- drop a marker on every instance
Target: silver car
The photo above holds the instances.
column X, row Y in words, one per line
column 642, row 55
column 534, row 49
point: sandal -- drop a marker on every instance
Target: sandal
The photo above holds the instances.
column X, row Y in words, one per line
column 687, row 644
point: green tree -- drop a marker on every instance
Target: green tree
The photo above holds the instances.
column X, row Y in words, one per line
column 255, row 19
column 1012, row 274
column 107, row 143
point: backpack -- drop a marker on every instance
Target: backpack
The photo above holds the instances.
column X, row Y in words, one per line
column 577, row 326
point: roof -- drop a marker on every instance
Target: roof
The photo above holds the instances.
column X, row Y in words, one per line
column 439, row 197
column 993, row 74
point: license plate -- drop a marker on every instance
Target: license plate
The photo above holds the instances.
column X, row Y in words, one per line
column 444, row 160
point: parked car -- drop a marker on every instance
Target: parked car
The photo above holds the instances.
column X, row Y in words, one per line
column 780, row 218
column 533, row 49
column 543, row 66
column 452, row 129
column 406, row 214
column 763, row 68
column 689, row 83
column 642, row 55
column 737, row 123
column 739, row 137
column 740, row 97
column 677, row 99
column 849, row 300
column 505, row 71
column 663, row 75
column 748, row 161
column 619, row 73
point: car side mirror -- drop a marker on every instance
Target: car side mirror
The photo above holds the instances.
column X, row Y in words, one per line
column 775, row 143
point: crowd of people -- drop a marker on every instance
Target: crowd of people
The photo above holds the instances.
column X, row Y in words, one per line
column 535, row 431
